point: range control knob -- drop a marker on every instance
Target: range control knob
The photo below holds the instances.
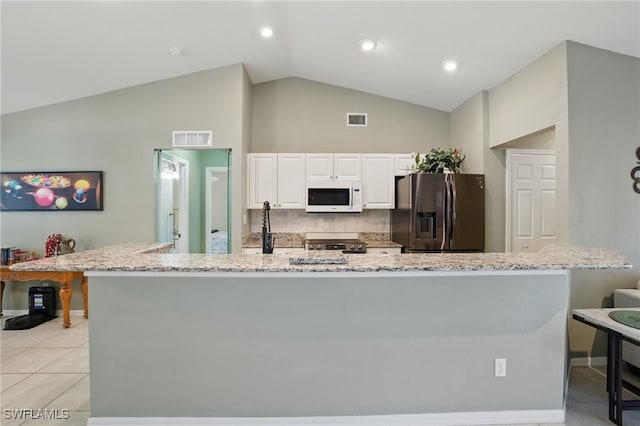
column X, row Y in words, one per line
column 353, row 247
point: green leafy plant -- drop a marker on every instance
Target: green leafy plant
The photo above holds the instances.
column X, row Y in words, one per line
column 439, row 160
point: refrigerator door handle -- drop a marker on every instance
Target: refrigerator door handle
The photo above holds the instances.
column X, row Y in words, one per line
column 445, row 216
column 453, row 210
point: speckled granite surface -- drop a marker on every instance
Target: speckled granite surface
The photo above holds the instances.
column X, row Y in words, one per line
column 296, row 240
column 145, row 257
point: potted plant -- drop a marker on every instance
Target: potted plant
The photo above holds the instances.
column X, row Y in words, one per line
column 439, row 160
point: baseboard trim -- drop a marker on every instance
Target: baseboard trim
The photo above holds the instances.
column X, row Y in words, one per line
column 596, row 361
column 16, row 312
column 436, row 419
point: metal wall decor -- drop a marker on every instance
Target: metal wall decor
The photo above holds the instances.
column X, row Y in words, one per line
column 635, row 173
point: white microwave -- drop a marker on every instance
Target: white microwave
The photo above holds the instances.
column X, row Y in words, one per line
column 334, row 196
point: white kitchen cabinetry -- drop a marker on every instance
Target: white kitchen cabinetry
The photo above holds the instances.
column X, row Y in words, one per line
column 378, row 180
column 291, row 181
column 403, row 164
column 323, row 166
column 263, row 179
column 384, row 250
column 319, row 166
column 277, row 178
column 347, row 166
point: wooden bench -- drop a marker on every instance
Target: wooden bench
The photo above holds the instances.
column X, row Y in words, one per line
column 63, row 277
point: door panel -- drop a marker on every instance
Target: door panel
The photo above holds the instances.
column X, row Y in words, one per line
column 468, row 193
column 427, row 222
column 548, row 216
column 524, row 224
column 532, row 200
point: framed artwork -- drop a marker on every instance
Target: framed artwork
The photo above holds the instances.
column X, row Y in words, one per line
column 51, row 191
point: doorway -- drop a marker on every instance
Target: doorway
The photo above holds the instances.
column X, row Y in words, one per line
column 193, row 198
column 531, row 199
column 216, row 210
column 172, row 211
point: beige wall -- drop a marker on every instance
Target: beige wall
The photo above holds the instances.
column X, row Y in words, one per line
column 466, row 131
column 529, row 103
column 469, row 130
column 297, row 115
column 532, row 99
column 117, row 132
column 604, row 130
column 585, row 103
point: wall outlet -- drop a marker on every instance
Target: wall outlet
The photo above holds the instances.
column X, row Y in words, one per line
column 500, row 367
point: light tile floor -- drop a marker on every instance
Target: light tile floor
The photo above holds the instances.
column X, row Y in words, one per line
column 48, row 367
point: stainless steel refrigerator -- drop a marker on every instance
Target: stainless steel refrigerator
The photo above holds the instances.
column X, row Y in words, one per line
column 439, row 212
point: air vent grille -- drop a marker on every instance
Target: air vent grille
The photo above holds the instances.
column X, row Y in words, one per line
column 192, row 139
column 356, row 119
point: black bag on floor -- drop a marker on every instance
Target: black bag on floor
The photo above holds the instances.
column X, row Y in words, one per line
column 42, row 308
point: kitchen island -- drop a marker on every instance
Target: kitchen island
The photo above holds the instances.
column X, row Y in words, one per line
column 349, row 339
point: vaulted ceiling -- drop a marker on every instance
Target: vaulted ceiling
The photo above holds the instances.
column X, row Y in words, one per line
column 55, row 51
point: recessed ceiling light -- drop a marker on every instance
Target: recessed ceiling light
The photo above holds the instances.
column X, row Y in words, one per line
column 367, row 45
column 266, row 31
column 450, row 66
column 176, row 51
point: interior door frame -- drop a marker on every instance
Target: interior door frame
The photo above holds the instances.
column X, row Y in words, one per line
column 512, row 152
column 207, row 208
column 183, row 200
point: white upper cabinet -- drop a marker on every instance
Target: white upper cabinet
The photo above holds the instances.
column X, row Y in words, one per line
column 403, row 164
column 262, row 179
column 277, row 178
column 323, row 166
column 347, row 166
column 319, row 166
column 378, row 181
column 281, row 178
column 291, row 181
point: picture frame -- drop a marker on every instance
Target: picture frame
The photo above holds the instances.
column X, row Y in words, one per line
column 51, row 191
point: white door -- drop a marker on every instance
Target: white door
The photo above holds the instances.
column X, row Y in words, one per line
column 531, row 199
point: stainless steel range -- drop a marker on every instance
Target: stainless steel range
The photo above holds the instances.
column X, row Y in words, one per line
column 343, row 245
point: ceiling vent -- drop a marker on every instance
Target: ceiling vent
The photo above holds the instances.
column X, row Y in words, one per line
column 356, row 119
column 192, row 139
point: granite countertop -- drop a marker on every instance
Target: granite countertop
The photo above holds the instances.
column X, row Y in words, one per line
column 296, row 240
column 149, row 257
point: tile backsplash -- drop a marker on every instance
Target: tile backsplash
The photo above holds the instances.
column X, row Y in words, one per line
column 301, row 221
